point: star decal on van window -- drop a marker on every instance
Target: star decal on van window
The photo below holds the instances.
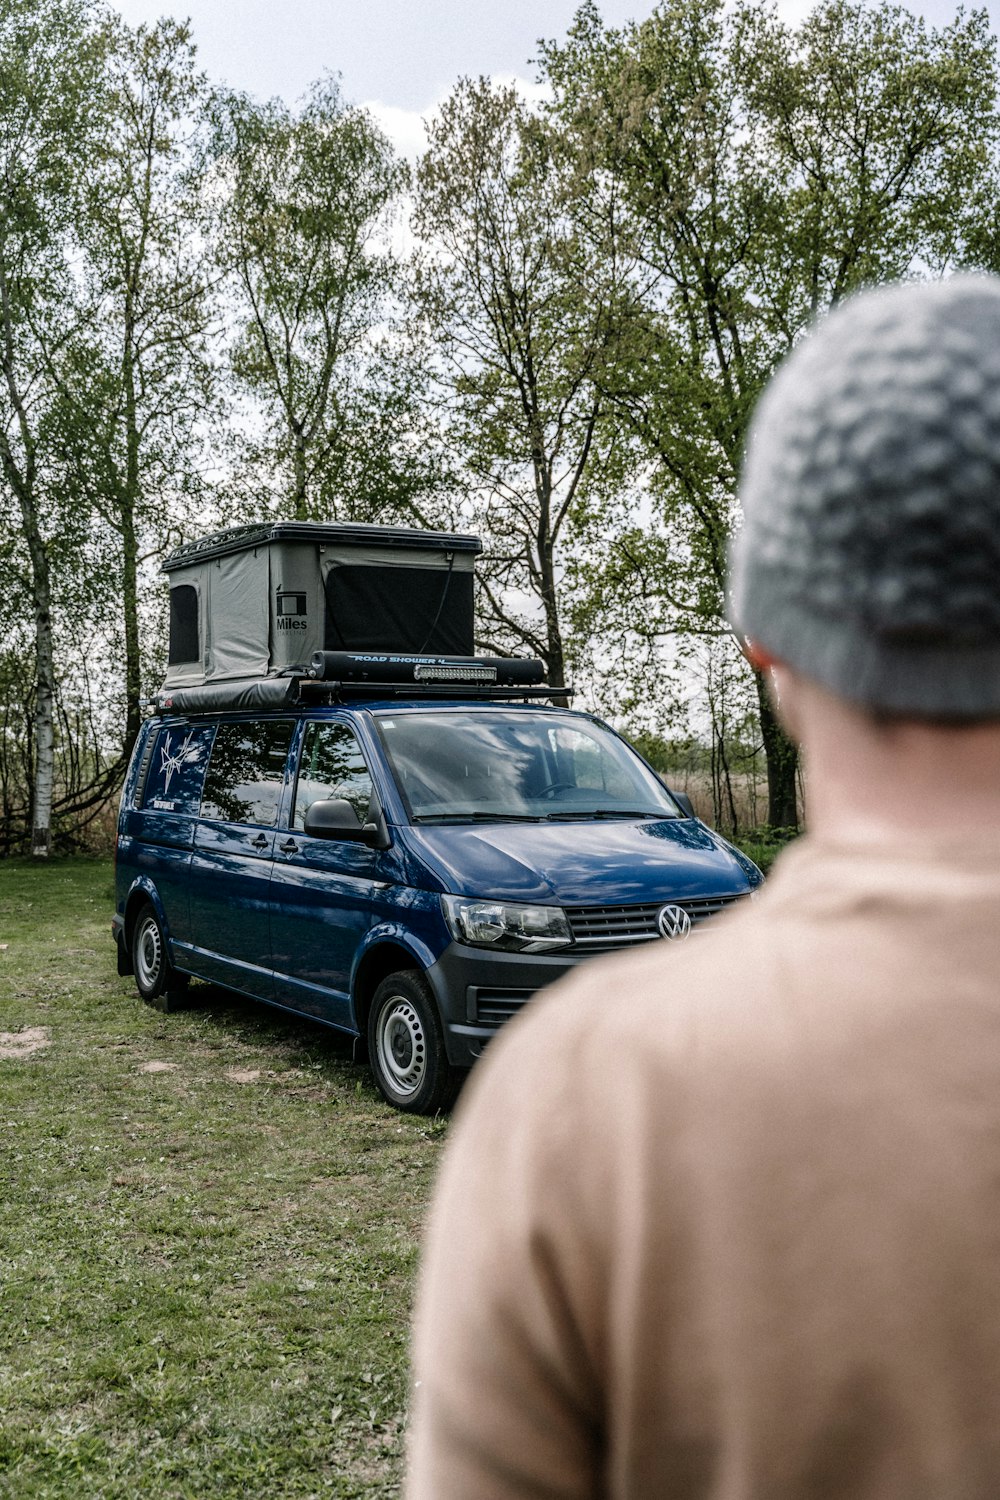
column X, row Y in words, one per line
column 184, row 756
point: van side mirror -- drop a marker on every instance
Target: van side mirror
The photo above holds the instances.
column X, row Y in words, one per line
column 683, row 802
column 335, row 818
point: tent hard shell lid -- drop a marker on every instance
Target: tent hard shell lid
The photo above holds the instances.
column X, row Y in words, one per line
column 259, row 601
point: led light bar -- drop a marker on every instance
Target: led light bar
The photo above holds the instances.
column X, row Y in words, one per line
column 454, row 674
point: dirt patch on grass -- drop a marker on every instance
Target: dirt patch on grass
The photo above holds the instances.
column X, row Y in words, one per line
column 23, row 1043
column 242, row 1075
column 158, row 1067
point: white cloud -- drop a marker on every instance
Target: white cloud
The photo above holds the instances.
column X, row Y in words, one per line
column 407, row 128
column 529, row 89
column 794, row 12
column 404, row 127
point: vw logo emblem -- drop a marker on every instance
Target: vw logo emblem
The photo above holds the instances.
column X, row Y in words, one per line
column 673, row 922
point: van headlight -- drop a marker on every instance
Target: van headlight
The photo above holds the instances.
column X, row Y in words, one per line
column 506, row 924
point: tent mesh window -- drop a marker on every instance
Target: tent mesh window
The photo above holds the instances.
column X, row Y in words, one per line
column 184, row 646
column 399, row 609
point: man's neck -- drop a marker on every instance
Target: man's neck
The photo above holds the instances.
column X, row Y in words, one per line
column 894, row 779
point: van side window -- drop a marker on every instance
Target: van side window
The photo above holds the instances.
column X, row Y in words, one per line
column 175, row 764
column 247, row 771
column 332, row 765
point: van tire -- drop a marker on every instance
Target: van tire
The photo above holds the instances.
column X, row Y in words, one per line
column 157, row 981
column 406, row 1048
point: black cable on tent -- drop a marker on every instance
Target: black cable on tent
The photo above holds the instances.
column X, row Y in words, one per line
column 444, row 594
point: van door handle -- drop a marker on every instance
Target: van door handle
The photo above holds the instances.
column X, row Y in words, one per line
column 289, row 847
column 260, row 842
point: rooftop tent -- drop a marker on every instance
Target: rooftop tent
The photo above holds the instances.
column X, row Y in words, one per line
column 259, row 600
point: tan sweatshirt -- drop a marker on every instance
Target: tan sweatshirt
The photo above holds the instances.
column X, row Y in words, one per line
column 722, row 1218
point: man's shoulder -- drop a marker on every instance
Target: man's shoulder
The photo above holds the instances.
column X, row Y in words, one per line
column 665, row 974
column 653, row 1002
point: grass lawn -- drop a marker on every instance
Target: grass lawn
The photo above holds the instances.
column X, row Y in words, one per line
column 208, row 1231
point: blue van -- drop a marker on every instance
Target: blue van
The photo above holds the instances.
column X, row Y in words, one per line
column 406, row 860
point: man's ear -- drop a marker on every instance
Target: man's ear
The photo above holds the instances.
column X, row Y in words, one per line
column 760, row 659
column 781, row 685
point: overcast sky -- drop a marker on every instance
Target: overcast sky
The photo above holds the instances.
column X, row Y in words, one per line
column 402, row 55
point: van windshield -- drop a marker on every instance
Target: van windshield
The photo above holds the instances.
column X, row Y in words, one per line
column 506, row 765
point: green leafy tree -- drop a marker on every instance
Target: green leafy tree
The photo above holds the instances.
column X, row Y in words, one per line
column 765, row 172
column 304, row 205
column 135, row 381
column 51, row 56
column 521, row 311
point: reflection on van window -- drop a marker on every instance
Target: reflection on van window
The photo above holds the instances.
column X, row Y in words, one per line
column 502, row 764
column 332, row 766
column 246, row 772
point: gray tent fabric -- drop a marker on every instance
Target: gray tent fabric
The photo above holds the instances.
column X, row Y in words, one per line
column 214, row 697
column 433, row 555
column 269, row 597
column 238, row 615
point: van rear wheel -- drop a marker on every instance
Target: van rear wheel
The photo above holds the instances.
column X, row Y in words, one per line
column 406, row 1046
column 156, row 979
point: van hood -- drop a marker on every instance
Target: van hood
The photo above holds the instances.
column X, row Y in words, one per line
column 614, row 862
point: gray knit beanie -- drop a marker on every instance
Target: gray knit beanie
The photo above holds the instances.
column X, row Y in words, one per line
column 869, row 557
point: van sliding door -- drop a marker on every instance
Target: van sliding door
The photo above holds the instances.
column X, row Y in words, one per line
column 233, row 850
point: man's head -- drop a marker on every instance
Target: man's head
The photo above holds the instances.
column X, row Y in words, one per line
column 869, row 559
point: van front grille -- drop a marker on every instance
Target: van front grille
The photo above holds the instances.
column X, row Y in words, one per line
column 618, row 926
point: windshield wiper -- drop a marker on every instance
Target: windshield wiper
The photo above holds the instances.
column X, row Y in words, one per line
column 607, row 812
column 477, row 817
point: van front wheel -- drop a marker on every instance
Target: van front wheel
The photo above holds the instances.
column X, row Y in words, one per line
column 406, row 1046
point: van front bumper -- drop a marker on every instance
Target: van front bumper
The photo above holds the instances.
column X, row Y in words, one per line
column 476, row 991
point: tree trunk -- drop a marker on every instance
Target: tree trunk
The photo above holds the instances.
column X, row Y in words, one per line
column 782, row 758
column 41, row 794
column 130, row 620
column 127, row 503
column 299, row 501
column 22, row 479
column 555, row 660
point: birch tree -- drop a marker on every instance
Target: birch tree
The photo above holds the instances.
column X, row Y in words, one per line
column 135, row 383
column 50, row 76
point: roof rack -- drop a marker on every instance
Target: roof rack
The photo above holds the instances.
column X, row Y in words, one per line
column 341, row 692
column 337, row 676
